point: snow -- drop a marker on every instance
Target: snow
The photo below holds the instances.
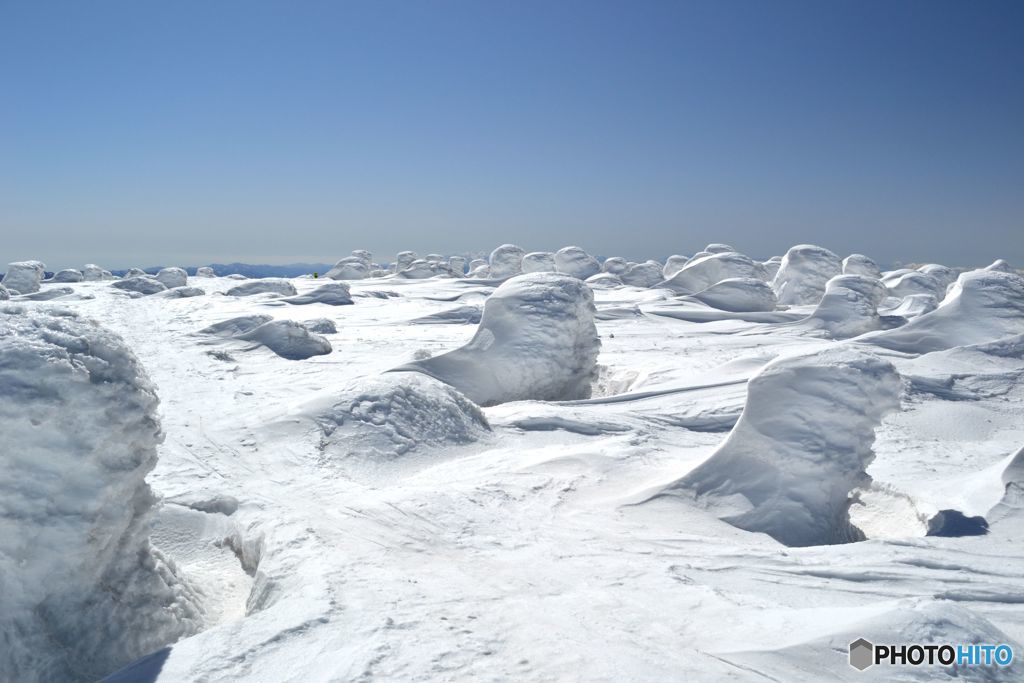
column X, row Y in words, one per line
column 915, row 283
column 349, row 268
column 702, row 272
column 645, row 274
column 616, row 265
column 172, row 277
column 24, row 276
column 288, row 339
column 205, row 271
column 79, row 583
column 859, row 264
column 538, row 262
column 4, row 293
column 143, row 284
column 181, row 293
column 536, row 340
column 68, row 275
column 264, row 286
column 673, row 265
column 738, row 294
column 93, row 273
column 789, row 473
column 506, row 261
column 576, row 262
column 334, row 519
column 332, row 294
column 803, row 273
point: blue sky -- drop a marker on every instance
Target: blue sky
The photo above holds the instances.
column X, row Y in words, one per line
column 143, row 132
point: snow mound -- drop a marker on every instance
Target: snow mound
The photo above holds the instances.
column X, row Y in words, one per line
column 859, row 264
column 738, row 294
column 4, row 293
column 506, row 261
column 420, row 269
column 172, row 277
column 181, row 293
column 912, row 306
column 457, row 265
column 48, row 294
column 93, row 273
column 236, row 326
column 68, row 275
column 700, row 273
column 81, row 590
column 460, row 315
column 944, row 274
column 645, row 274
column 320, row 326
column 332, row 294
column 404, row 259
column 915, row 282
column 288, row 339
column 850, row 306
column 982, row 306
column 1000, row 265
column 575, row 262
column 264, row 286
column 539, row 262
column 802, row 276
column 800, row 447
column 205, row 271
column 673, row 265
column 604, row 281
column 143, row 284
column 24, row 276
column 616, row 265
column 716, row 248
column 394, row 415
column 349, row 268
column 536, row 340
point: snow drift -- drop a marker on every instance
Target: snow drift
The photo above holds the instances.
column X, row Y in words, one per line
column 172, row 277
column 332, row 294
column 576, row 262
column 789, row 472
column 738, row 294
column 68, row 275
column 286, row 338
column 803, row 273
column 982, row 306
column 850, row 306
column 539, row 262
column 264, row 286
column 142, row 284
column 536, row 340
column 506, row 261
column 81, row 590
column 24, row 276
column 700, row 273
column 859, row 264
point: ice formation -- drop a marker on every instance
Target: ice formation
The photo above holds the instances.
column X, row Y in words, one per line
column 539, row 262
column 288, row 339
column 803, row 273
column 700, row 273
column 575, row 262
column 673, row 265
column 143, row 284
column 789, row 473
column 849, row 306
column 859, row 264
column 181, row 293
column 536, row 340
column 205, row 271
column 134, row 272
column 506, row 261
column 24, row 276
column 68, row 275
column 404, row 259
column 5, row 294
column 81, row 591
column 264, row 286
column 738, row 294
column 616, row 265
column 457, row 265
column 332, row 294
column 645, row 274
column 172, row 277
column 982, row 306
column 1000, row 265
column 396, row 414
column 93, row 273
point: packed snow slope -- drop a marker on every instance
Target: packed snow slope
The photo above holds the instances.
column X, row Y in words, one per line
column 514, row 468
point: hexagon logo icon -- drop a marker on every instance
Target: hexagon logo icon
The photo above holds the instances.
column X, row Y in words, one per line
column 862, row 654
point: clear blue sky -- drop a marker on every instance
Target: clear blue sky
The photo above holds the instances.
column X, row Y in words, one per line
column 144, row 132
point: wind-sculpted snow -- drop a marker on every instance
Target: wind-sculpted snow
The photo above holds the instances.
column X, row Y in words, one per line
column 575, row 262
column 850, row 306
column 396, row 414
column 645, row 274
column 142, row 284
column 604, row 281
column 24, row 276
column 264, row 286
column 943, row 274
column 1001, row 266
column 915, row 282
column 981, row 306
column 911, row 306
column 739, row 294
column 420, row 269
column 718, row 248
column 349, row 268
column 172, row 277
column 93, row 273
column 538, row 262
column 801, row 446
column 673, row 265
column 81, row 590
column 536, row 340
column 616, row 265
column 803, row 273
column 205, row 271
column 506, row 261
column 68, row 275
column 320, row 326
column 287, row 338
column 332, row 294
column 48, row 294
column 5, row 294
column 181, row 293
column 859, row 264
column 700, row 273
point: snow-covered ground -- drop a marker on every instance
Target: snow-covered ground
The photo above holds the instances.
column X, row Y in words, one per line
column 323, row 518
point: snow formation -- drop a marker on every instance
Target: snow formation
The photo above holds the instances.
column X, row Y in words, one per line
column 538, row 262
column 738, row 294
column 536, row 340
column 332, row 294
column 172, row 277
column 700, row 273
column 142, row 284
column 803, row 273
column 576, row 262
column 24, row 276
column 849, row 306
column 265, row 286
column 81, row 590
column 506, row 261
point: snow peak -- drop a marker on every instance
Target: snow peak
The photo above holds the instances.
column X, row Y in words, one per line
column 864, row 654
